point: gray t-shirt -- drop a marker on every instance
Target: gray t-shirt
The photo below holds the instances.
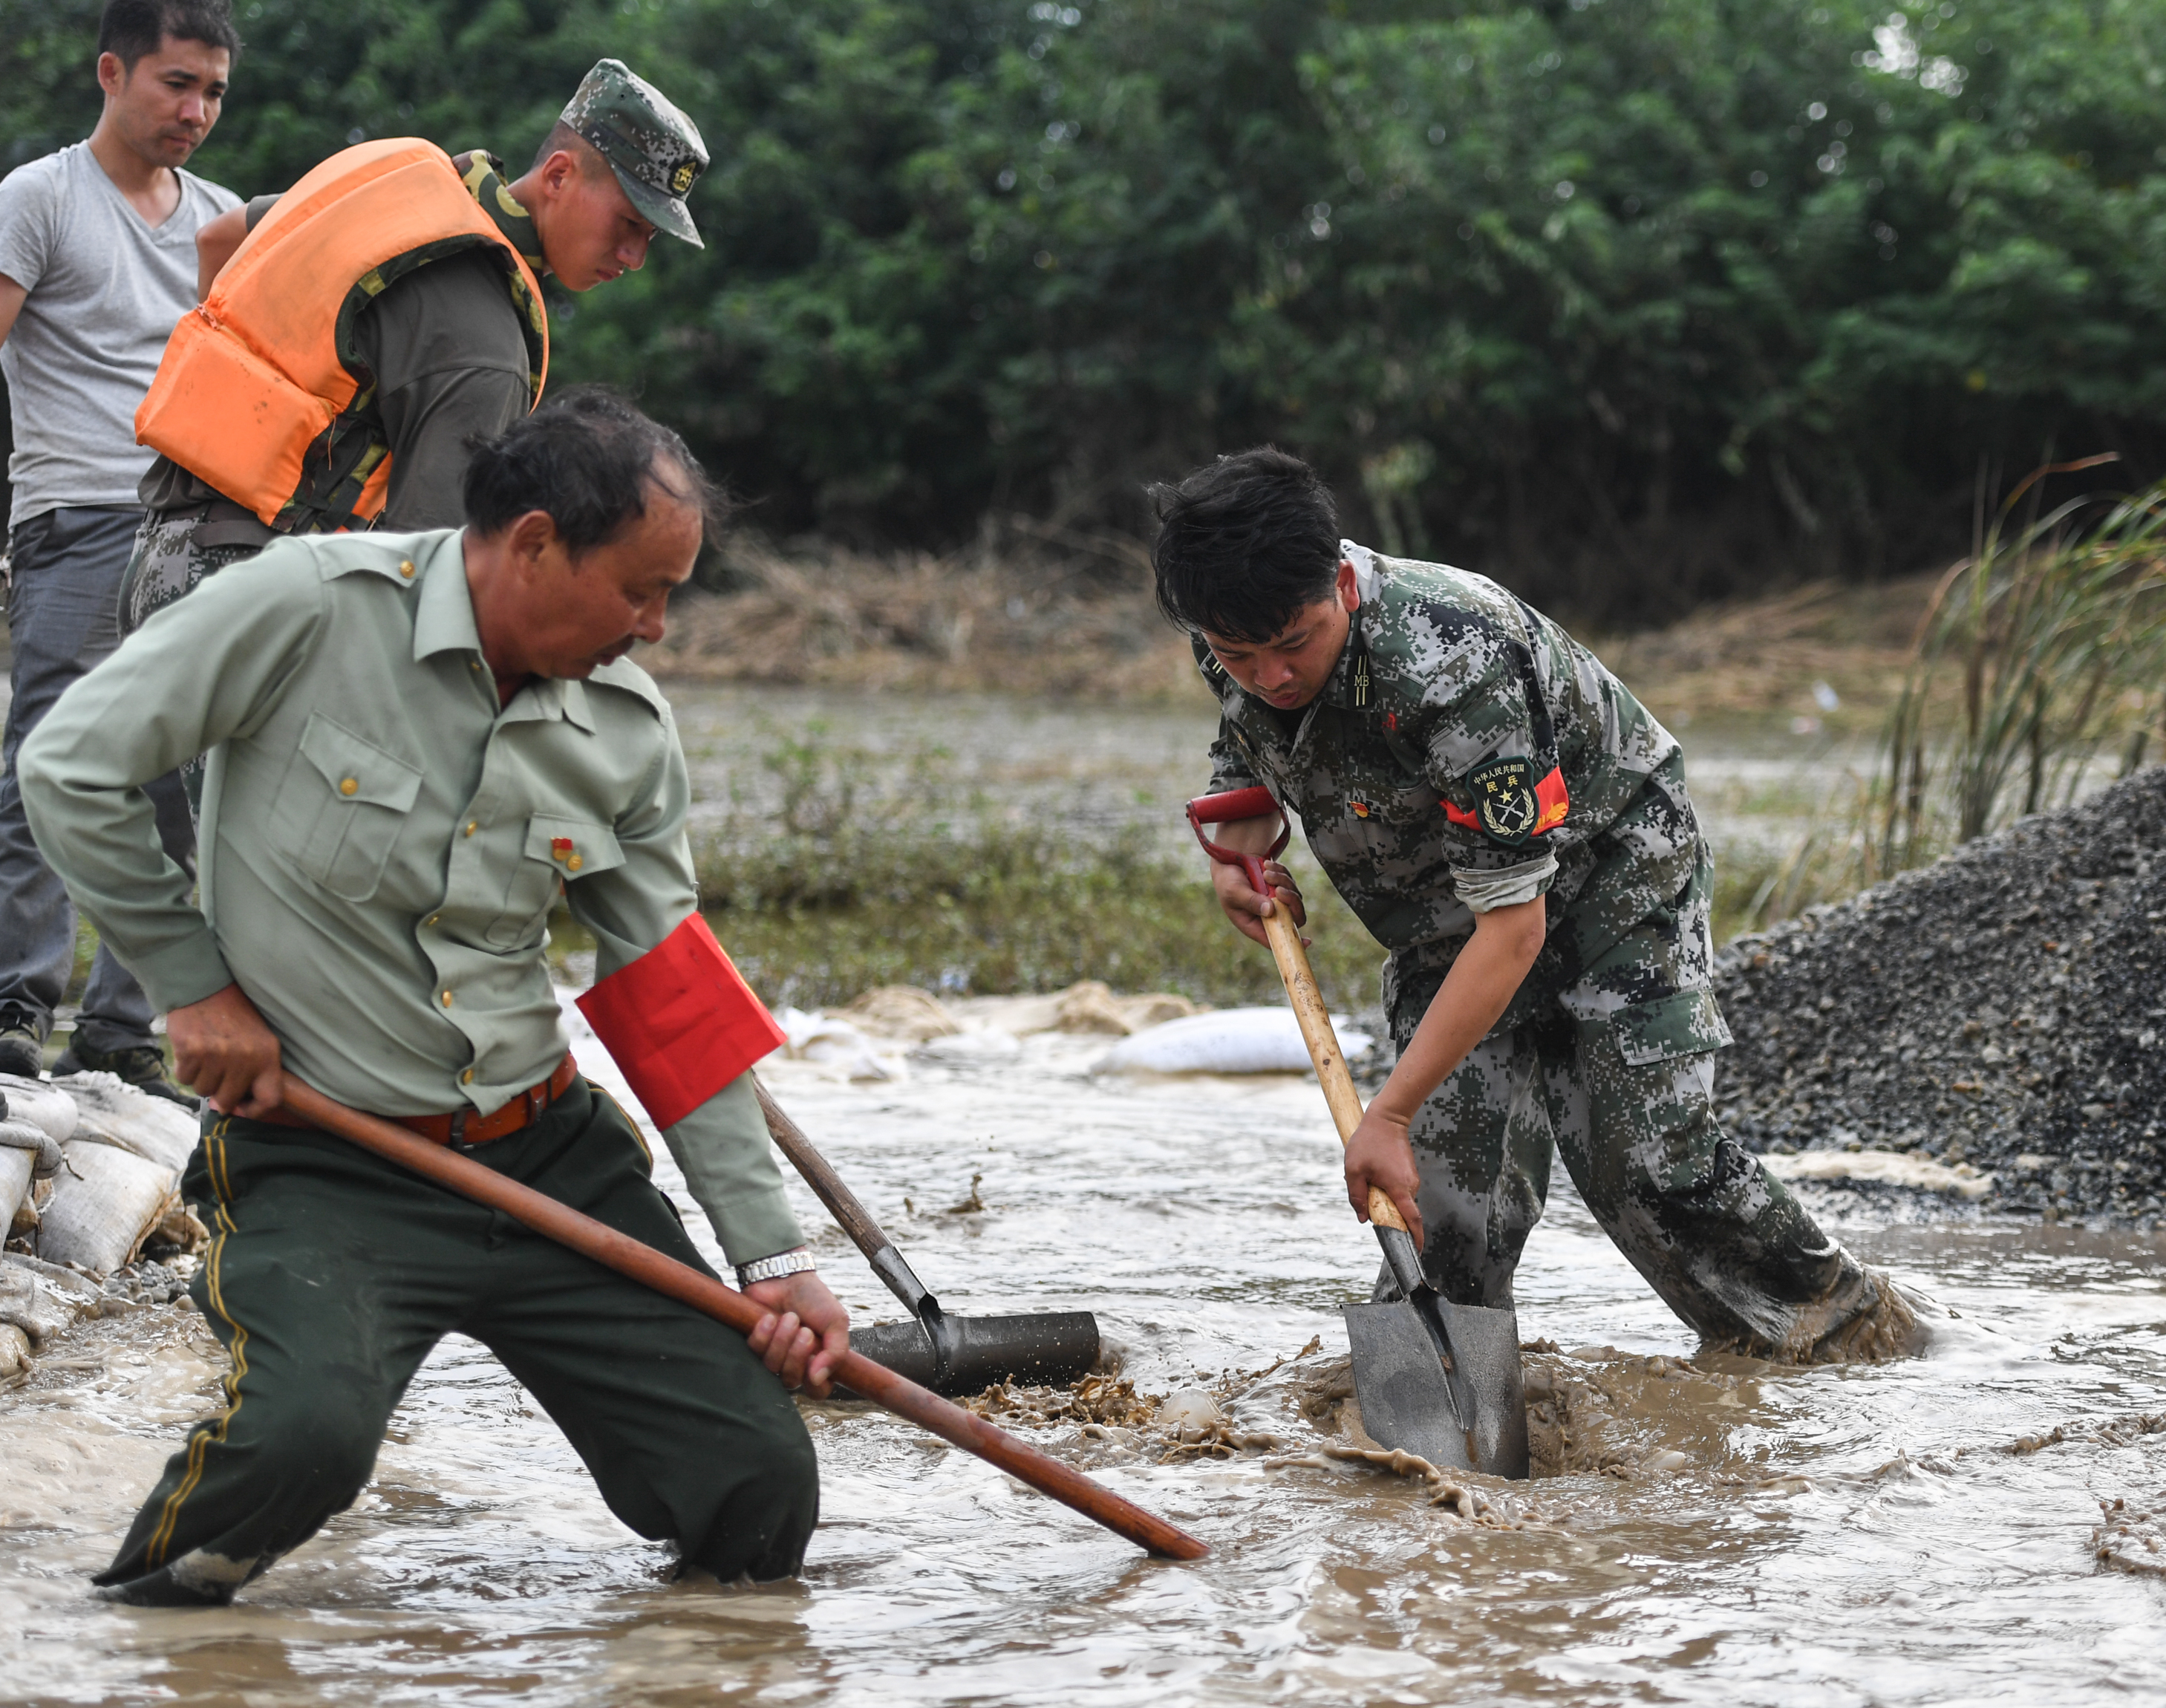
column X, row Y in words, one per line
column 105, row 293
column 105, row 289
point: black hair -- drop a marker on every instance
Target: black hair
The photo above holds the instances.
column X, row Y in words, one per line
column 587, row 457
column 129, row 28
column 591, row 160
column 1244, row 544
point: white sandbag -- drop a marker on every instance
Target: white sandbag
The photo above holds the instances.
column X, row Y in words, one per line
column 43, row 1105
column 16, row 1167
column 832, row 1042
column 1232, row 1040
column 27, row 1154
column 113, row 1111
column 105, row 1201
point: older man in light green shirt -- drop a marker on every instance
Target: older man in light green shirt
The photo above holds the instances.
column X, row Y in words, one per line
column 406, row 770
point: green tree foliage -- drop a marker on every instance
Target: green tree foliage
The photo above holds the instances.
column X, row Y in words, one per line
column 1636, row 299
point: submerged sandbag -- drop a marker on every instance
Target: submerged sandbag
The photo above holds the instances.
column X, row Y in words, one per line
column 112, row 1112
column 105, row 1202
column 900, row 1011
column 1232, row 1040
column 971, row 1047
column 832, row 1042
column 14, row 1354
column 38, row 1301
column 38, row 1306
column 1092, row 1007
column 16, row 1167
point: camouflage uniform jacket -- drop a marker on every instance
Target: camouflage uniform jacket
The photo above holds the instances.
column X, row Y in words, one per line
column 1466, row 754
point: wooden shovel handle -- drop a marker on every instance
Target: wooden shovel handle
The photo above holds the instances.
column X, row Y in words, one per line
column 643, row 1263
column 855, row 1219
column 1323, row 1042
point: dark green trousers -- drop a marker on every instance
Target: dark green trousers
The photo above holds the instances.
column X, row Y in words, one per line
column 331, row 1273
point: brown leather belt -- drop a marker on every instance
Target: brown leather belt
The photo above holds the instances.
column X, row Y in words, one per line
column 462, row 1127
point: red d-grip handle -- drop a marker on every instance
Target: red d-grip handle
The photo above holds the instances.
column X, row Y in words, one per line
column 1255, row 803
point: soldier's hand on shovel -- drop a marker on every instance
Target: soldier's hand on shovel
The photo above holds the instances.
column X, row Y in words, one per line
column 1380, row 1156
column 805, row 1330
column 1245, row 908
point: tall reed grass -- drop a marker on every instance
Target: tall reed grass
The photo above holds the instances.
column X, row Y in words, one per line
column 2038, row 650
column 2040, row 657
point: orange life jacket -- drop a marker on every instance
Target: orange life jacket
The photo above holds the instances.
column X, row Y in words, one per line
column 260, row 392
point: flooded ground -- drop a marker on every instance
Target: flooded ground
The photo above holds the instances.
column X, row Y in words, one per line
column 1883, row 1535
column 1927, row 1532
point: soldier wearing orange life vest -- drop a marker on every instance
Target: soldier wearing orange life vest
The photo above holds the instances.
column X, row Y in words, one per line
column 359, row 331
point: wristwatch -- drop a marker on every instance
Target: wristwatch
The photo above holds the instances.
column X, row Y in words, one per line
column 797, row 1261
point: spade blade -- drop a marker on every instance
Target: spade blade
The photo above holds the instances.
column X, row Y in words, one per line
column 1048, row 1347
column 1411, row 1402
column 1492, row 1390
column 1406, row 1397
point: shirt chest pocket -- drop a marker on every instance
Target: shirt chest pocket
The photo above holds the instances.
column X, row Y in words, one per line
column 341, row 808
column 557, row 850
column 1375, row 815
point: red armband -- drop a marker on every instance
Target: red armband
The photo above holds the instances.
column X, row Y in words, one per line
column 1509, row 808
column 1555, row 800
column 680, row 1022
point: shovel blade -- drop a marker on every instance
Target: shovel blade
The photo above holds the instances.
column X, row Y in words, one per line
column 1406, row 1397
column 1491, row 1386
column 1476, row 1422
column 1046, row 1349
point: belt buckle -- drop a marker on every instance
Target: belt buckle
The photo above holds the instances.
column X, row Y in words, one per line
column 457, row 1141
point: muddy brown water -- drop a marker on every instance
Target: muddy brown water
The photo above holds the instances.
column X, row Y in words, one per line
column 1777, row 1537
column 1760, row 1536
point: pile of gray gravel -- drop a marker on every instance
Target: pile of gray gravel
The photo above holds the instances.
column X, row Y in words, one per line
column 2004, row 1007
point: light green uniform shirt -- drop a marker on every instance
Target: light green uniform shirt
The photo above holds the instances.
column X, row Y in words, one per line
column 382, row 844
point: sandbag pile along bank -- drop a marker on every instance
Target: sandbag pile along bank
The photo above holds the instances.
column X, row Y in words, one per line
column 90, row 1170
column 2003, row 1007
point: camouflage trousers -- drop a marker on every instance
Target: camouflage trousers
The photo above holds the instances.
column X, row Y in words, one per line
column 175, row 551
column 1622, row 1089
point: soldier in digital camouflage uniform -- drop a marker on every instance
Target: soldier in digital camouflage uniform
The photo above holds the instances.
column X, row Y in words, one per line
column 450, row 360
column 1453, row 759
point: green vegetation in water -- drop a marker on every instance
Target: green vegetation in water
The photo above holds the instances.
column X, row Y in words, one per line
column 834, row 869
column 1000, row 909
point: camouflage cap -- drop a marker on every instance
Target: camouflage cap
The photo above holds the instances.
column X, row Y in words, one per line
column 654, row 150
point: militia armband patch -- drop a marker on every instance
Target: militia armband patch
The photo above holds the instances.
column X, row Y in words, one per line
column 1509, row 805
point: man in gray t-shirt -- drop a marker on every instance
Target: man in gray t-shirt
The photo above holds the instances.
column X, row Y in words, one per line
column 97, row 261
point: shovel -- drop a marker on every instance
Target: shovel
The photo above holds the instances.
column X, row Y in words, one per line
column 1436, row 1379
column 643, row 1263
column 950, row 1355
